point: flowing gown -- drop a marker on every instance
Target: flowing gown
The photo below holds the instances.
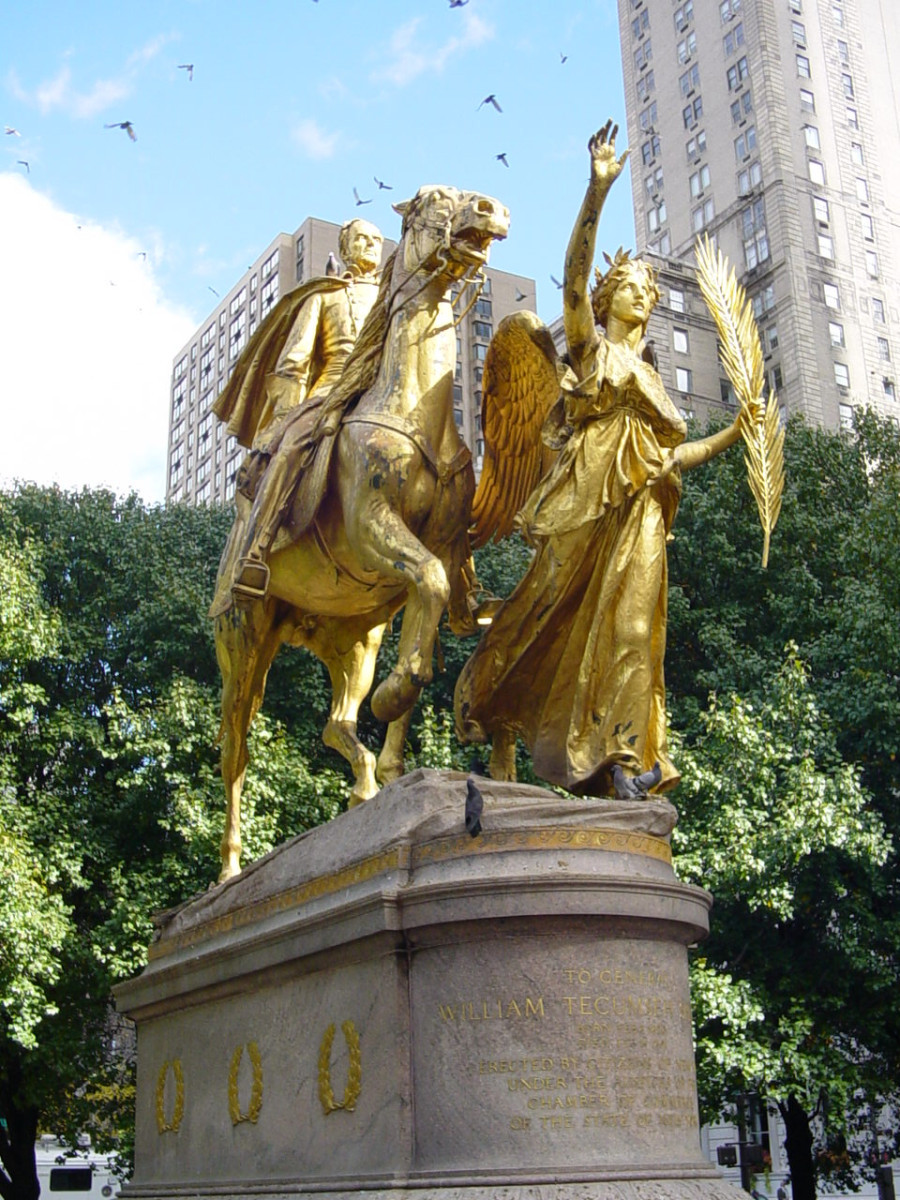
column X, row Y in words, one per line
column 573, row 661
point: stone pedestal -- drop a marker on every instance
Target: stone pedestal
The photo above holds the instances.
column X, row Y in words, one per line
column 388, row 1005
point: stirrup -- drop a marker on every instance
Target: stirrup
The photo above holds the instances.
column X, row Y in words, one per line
column 251, row 579
column 482, row 606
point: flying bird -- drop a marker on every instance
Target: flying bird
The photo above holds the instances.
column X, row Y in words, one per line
column 213, row 290
column 357, row 199
column 331, row 267
column 382, row 185
column 9, row 129
column 556, row 281
column 126, row 125
column 142, row 254
column 519, row 295
column 502, row 158
column 458, row 3
column 474, row 808
column 491, row 99
column 189, row 67
column 23, row 163
column 562, row 57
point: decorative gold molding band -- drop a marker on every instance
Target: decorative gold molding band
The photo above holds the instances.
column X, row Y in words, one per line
column 162, row 1125
column 354, row 1071
column 400, row 858
column 256, row 1091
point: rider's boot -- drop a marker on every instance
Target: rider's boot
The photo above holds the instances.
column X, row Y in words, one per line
column 251, row 574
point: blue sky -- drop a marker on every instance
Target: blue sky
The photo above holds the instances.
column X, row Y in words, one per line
column 290, row 107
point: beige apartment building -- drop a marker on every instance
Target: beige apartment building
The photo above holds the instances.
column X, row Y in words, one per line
column 774, row 127
column 202, row 459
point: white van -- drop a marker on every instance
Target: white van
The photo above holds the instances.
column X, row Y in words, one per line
column 83, row 1175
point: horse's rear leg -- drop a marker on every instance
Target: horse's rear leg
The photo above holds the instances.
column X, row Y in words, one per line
column 246, row 643
column 390, row 765
column 349, row 655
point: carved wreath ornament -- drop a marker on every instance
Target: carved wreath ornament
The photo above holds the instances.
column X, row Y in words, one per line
column 354, row 1071
column 162, row 1125
column 234, row 1104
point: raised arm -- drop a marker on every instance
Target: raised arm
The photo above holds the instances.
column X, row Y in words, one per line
column 578, row 319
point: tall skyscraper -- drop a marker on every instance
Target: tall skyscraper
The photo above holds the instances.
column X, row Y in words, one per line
column 773, row 126
column 203, row 459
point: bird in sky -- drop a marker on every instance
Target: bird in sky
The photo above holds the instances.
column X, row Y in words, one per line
column 491, row 99
column 189, row 67
column 126, row 125
column 382, row 185
column 356, row 197
column 556, row 281
column 23, row 163
column 9, row 129
column 142, row 254
column 458, row 3
column 502, row 158
column 213, row 290
column 562, row 57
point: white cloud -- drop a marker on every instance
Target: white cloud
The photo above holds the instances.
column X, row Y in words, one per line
column 313, row 140
column 407, row 57
column 88, row 346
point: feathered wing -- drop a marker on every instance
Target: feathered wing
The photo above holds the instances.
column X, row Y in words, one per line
column 521, row 383
column 742, row 357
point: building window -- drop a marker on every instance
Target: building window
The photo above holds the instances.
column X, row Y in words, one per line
column 687, row 47
column 772, row 338
column 798, row 33
column 737, row 74
column 238, row 301
column 741, row 108
column 843, row 52
column 841, row 375
column 643, row 54
column 749, row 178
column 676, row 300
column 703, row 214
column 877, row 311
column 776, row 379
column 645, row 85
column 654, row 182
column 648, row 117
column 811, row 136
column 656, row 217
column 665, row 243
column 871, row 264
column 640, row 24
column 847, row 84
column 745, row 143
column 845, row 416
column 826, row 246
column 684, row 379
column 268, row 294
column 807, row 100
column 680, row 341
column 733, row 39
column 888, row 385
column 816, row 172
column 689, row 81
column 836, row 333
column 683, row 15
column 856, row 153
column 755, row 238
column 763, row 301
column 696, row 146
column 728, row 9
column 838, row 15
column 650, row 150
column 820, row 209
column 803, row 66
column 699, row 180
column 852, row 117
column 862, row 191
column 884, row 349
column 270, row 264
column 692, row 113
column 832, row 295
column 483, row 330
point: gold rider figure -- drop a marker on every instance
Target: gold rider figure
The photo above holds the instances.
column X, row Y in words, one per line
column 319, row 343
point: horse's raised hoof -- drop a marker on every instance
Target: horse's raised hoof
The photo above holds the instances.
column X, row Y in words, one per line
column 394, row 696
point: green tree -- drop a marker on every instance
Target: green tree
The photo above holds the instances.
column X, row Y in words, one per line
column 111, row 807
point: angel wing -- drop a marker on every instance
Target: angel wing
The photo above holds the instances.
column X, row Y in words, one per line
column 522, row 374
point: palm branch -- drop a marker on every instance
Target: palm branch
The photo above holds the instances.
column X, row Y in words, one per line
column 741, row 356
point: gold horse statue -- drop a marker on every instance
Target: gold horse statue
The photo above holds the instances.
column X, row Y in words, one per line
column 381, row 515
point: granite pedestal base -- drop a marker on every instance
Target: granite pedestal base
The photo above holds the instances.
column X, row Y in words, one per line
column 387, row 1005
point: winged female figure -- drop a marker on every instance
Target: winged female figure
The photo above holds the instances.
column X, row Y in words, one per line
column 573, row 662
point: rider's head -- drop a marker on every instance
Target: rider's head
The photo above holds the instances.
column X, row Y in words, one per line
column 360, row 245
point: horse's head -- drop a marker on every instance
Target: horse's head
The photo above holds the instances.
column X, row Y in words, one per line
column 446, row 228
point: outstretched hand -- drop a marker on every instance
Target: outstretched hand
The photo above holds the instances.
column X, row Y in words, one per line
column 605, row 165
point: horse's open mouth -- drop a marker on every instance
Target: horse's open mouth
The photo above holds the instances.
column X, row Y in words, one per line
column 475, row 244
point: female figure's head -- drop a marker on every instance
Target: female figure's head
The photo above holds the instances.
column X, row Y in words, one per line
column 627, row 292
